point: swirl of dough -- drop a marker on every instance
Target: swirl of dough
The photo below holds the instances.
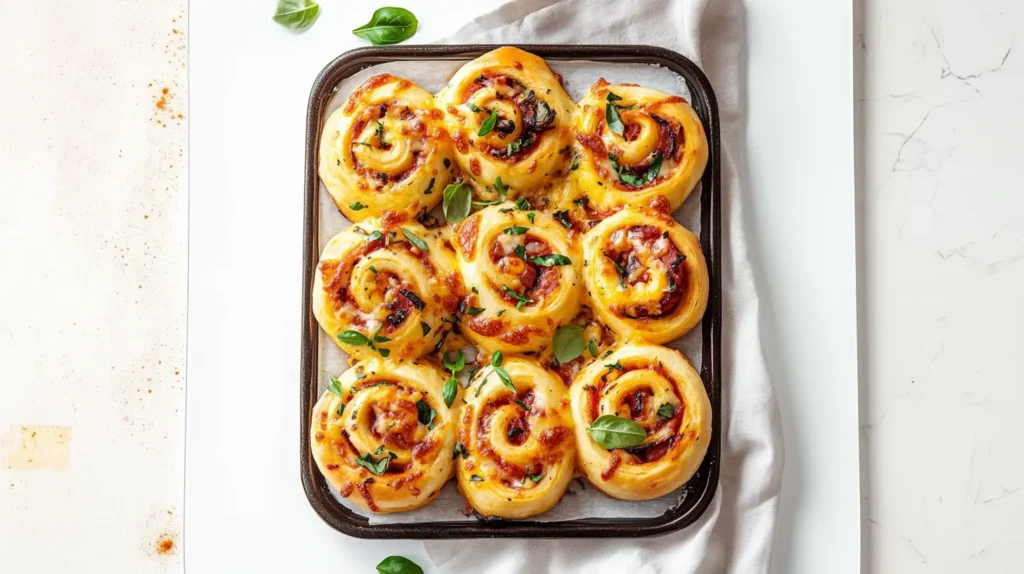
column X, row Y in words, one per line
column 657, row 148
column 508, row 117
column 373, row 280
column 525, row 279
column 646, row 276
column 387, row 437
column 636, row 382
column 385, row 150
column 518, row 447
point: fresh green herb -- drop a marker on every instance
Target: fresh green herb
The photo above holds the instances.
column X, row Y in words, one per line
column 619, row 269
column 611, row 115
column 581, row 201
column 388, row 26
column 398, row 565
column 500, row 312
column 531, row 216
column 616, row 366
column 458, row 199
column 472, row 107
column 520, row 250
column 575, row 162
column 629, row 176
column 354, row 338
column 356, row 206
column 379, row 450
column 514, row 230
column 372, row 269
column 592, row 347
column 496, row 359
column 488, row 124
column 535, row 477
column 522, row 405
column 473, row 289
column 459, row 450
column 430, row 187
column 551, row 260
column 568, row 343
column 375, row 465
column 334, row 386
column 606, row 354
column 666, row 411
column 425, row 328
column 341, row 410
column 375, row 236
column 523, row 204
column 611, row 431
column 500, row 188
column 426, row 414
column 296, row 14
column 454, row 364
column 514, row 147
column 474, row 311
column 419, row 243
column 522, row 300
column 451, row 389
column 380, row 134
column 563, row 218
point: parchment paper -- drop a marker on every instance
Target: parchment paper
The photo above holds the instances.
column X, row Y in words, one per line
column 581, row 500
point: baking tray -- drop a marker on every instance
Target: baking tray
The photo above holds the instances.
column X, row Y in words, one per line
column 699, row 491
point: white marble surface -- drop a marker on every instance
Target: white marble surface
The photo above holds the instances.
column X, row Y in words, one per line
column 93, row 236
column 942, row 223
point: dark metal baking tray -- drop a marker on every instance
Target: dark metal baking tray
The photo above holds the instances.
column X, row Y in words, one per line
column 701, row 488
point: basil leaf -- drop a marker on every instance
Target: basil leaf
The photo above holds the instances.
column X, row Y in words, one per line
column 523, row 204
column 563, row 218
column 375, row 466
column 356, row 206
column 472, row 107
column 398, row 565
column 458, row 199
column 611, row 431
column 551, row 260
column 568, row 343
column 522, row 405
column 388, row 26
column 380, row 134
column 488, row 125
column 426, row 414
column 666, row 411
column 500, row 188
column 520, row 250
column 354, row 338
column 296, row 14
column 451, row 388
column 611, row 115
column 613, row 97
column 531, row 216
column 372, row 269
column 522, row 299
column 653, row 170
column 375, row 236
column 592, row 347
column 535, row 477
column 505, row 379
column 454, row 365
column 514, row 230
column 497, row 358
column 334, row 386
column 459, row 450
column 425, row 327
column 474, row 311
column 419, row 243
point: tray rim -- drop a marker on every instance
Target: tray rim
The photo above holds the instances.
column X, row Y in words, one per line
column 702, row 487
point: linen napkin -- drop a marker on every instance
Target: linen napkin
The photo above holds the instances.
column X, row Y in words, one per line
column 735, row 533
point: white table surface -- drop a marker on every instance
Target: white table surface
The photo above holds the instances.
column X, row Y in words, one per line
column 96, row 212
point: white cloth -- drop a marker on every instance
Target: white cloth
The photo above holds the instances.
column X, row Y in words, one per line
column 735, row 533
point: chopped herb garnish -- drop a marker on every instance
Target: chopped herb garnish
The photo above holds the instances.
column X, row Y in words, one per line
column 372, row 268
column 514, row 230
column 488, row 124
column 334, row 386
column 535, row 477
column 592, row 347
column 522, row 300
column 619, row 269
column 374, row 465
column 611, row 115
column 522, row 405
column 666, row 411
column 474, row 311
column 419, row 243
column 523, row 204
column 356, row 206
column 551, row 260
column 426, row 414
column 375, row 236
column 531, row 216
column 563, row 218
column 380, row 134
column 616, row 366
column 472, row 107
column 459, row 450
column 425, row 327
